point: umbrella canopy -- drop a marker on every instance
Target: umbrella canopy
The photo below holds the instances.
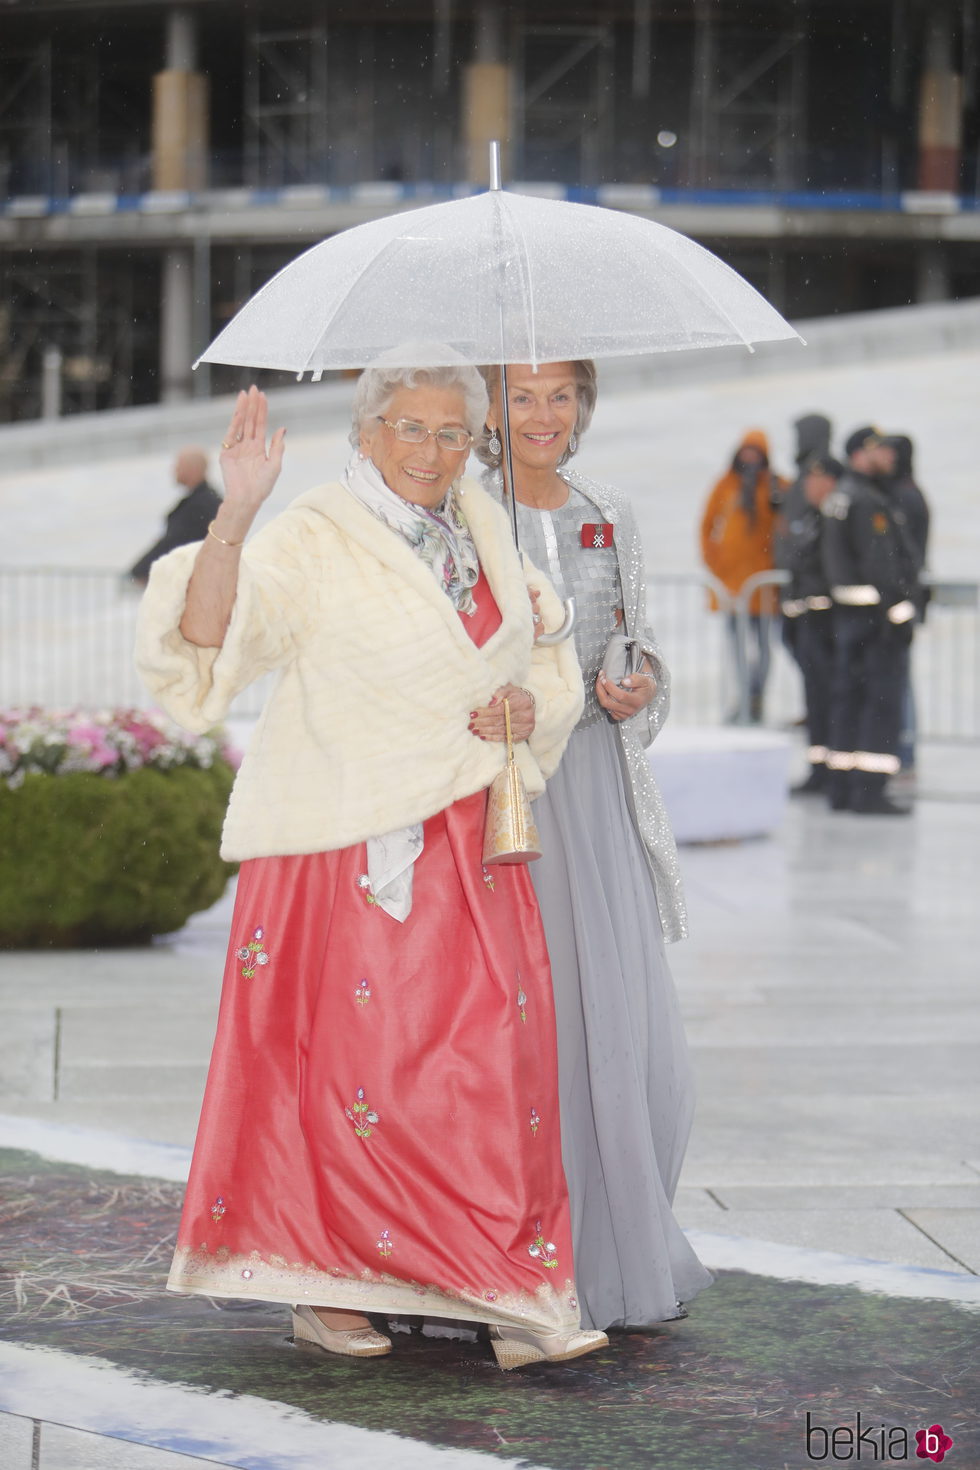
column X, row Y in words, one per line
column 498, row 277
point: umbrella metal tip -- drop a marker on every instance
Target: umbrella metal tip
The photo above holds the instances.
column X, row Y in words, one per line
column 495, row 183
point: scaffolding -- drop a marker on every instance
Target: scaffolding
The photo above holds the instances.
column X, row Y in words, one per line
column 26, row 145
column 80, row 304
column 748, row 99
column 564, row 113
column 285, row 102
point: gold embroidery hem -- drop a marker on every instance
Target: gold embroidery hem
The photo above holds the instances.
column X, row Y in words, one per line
column 222, row 1273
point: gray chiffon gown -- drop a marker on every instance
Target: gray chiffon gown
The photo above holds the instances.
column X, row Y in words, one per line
column 626, row 1089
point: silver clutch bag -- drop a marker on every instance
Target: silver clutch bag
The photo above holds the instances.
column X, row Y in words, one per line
column 622, row 658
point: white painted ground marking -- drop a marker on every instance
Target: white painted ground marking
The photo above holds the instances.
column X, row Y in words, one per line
column 95, row 1148
column 827, row 1268
column 249, row 1433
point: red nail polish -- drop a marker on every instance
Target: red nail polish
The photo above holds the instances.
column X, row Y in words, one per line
column 472, row 714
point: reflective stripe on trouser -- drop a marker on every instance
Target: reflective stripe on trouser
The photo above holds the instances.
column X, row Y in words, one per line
column 872, row 762
column 870, row 667
column 859, row 596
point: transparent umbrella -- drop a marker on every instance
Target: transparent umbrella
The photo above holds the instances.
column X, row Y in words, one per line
column 501, row 278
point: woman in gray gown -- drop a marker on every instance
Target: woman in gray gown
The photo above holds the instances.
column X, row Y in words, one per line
column 608, row 883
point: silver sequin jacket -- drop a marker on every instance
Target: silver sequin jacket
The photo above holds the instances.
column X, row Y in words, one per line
column 636, row 734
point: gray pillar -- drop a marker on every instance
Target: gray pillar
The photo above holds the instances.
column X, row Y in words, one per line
column 489, row 32
column 51, row 383
column 642, row 46
column 202, row 313
column 931, row 274
column 442, row 20
column 176, row 325
column 699, row 154
column 486, row 96
column 181, row 40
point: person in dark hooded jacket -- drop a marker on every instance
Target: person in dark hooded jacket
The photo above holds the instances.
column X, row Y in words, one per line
column 906, row 493
column 813, row 432
column 807, row 607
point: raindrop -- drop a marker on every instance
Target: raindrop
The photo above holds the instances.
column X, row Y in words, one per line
column 666, row 139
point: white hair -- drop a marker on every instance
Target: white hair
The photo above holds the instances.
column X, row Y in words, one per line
column 432, row 365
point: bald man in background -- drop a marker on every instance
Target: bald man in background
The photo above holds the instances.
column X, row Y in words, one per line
column 190, row 517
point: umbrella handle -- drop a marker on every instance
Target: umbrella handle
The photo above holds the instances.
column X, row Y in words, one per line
column 546, row 640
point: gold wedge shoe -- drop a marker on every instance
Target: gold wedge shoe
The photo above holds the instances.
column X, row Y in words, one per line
column 351, row 1342
column 514, row 1347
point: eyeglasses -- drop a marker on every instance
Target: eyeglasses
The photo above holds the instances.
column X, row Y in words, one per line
column 410, row 432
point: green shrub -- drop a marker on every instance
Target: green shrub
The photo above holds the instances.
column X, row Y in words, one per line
column 90, row 861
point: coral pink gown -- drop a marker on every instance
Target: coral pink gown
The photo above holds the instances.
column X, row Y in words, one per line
column 380, row 1126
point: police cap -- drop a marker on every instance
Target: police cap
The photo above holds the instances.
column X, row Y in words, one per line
column 862, row 439
column 823, row 464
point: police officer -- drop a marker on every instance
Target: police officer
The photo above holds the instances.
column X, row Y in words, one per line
column 871, row 568
column 807, row 608
column 906, row 492
column 813, row 433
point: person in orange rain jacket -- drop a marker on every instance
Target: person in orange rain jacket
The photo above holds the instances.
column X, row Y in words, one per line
column 736, row 542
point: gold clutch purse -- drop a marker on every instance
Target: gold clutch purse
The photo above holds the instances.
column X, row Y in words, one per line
column 511, row 835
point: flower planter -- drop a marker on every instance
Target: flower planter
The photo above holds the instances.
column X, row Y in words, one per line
column 109, row 828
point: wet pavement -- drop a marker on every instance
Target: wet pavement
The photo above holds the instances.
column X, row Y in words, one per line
column 833, row 1181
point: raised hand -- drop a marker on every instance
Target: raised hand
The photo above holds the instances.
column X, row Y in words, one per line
column 249, row 471
column 249, row 468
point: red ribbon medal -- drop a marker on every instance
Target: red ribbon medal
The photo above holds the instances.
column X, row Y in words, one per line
column 597, row 536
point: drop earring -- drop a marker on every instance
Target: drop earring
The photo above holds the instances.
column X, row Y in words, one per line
column 493, row 443
column 572, row 442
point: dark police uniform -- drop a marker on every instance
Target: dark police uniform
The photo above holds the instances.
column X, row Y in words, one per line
column 870, row 565
column 807, row 608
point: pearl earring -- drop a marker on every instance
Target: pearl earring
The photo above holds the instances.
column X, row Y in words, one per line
column 493, row 444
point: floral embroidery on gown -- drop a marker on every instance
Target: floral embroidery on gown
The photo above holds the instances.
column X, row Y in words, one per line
column 365, row 1141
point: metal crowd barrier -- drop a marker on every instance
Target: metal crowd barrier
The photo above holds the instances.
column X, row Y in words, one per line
column 945, row 659
column 66, row 638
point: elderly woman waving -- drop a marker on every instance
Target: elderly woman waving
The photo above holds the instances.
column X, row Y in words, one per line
column 380, row 1126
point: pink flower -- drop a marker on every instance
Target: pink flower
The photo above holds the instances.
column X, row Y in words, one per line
column 105, row 741
column 230, row 755
column 147, row 737
column 92, row 741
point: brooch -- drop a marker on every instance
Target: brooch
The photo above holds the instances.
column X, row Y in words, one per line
column 597, row 535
